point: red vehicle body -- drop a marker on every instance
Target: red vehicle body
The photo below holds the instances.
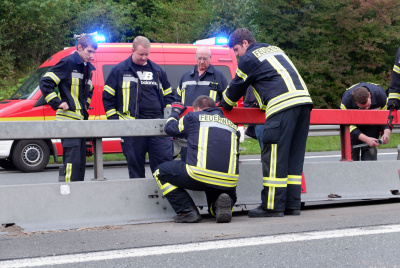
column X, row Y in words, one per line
column 28, row 104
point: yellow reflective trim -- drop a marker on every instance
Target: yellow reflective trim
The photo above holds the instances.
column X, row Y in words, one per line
column 233, row 154
column 111, row 112
column 181, row 126
column 273, row 160
column 271, row 198
column 51, row 96
column 394, row 96
column 171, row 119
column 241, row 74
column 75, row 93
column 110, row 90
column 283, row 72
column 52, row 76
column 343, row 107
column 259, row 100
column 125, row 95
column 202, row 147
column 167, row 91
column 396, row 69
column 211, row 180
column 68, row 172
column 227, row 100
column 213, row 95
column 294, row 179
column 287, row 103
column 352, row 127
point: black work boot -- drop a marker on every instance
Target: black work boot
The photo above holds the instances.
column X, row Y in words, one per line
column 260, row 212
column 223, row 210
column 188, row 215
column 292, row 212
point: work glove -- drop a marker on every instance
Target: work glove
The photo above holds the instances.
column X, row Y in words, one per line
column 89, row 147
column 178, row 107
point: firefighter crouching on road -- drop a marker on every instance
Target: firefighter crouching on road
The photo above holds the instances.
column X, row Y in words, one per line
column 366, row 96
column 211, row 164
column 73, row 76
column 282, row 93
column 138, row 88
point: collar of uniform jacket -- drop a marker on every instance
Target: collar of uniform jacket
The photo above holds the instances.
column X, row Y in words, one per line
column 129, row 65
column 210, row 70
column 78, row 60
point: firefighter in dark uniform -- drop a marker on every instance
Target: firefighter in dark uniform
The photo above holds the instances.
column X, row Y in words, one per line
column 73, row 76
column 138, row 88
column 282, row 93
column 211, row 163
column 394, row 87
column 204, row 79
column 366, row 96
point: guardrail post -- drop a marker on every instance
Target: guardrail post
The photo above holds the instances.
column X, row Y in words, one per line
column 345, row 143
column 98, row 159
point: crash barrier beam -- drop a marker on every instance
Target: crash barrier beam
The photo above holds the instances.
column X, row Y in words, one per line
column 131, row 201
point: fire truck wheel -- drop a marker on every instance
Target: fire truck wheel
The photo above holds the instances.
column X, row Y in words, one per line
column 7, row 164
column 30, row 155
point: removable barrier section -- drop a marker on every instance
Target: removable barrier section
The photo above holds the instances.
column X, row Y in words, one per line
column 99, row 203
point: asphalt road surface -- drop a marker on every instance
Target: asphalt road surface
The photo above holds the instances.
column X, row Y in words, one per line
column 329, row 234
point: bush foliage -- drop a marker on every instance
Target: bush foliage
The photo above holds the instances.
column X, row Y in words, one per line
column 333, row 43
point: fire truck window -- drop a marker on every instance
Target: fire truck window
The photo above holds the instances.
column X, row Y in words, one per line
column 175, row 72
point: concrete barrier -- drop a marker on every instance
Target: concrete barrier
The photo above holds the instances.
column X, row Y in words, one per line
column 99, row 203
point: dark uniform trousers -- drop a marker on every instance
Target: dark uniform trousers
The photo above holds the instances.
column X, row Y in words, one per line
column 74, row 159
column 135, row 148
column 173, row 179
column 285, row 137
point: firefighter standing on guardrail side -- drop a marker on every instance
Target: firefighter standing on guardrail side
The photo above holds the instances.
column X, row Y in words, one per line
column 282, row 93
column 211, row 165
column 394, row 88
column 366, row 96
column 73, row 76
column 138, row 88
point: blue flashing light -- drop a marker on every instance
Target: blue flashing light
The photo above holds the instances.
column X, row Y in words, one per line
column 221, row 41
column 99, row 38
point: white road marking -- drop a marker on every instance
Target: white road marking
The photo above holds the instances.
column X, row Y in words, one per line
column 200, row 246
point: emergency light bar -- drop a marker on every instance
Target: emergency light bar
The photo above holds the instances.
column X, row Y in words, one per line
column 212, row 41
column 98, row 37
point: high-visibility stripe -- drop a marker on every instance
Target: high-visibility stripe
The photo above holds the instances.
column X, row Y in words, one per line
column 52, row 76
column 171, row 119
column 241, row 74
column 111, row 112
column 167, row 91
column 294, row 179
column 352, row 127
column 88, row 100
column 202, row 147
column 275, row 182
column 212, row 177
column 110, row 90
column 396, row 69
column 125, row 116
column 75, row 92
column 50, row 96
column 283, row 72
column 273, row 160
column 343, row 107
column 68, row 172
column 217, row 125
column 68, row 115
column 286, row 102
column 181, row 126
column 231, row 103
column 166, row 187
column 271, row 198
column 178, row 90
column 233, row 154
column 394, row 96
column 259, row 100
column 125, row 95
column 213, row 94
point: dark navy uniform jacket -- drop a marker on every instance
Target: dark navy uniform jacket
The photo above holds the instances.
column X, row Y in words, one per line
column 394, row 88
column 276, row 82
column 74, row 87
column 122, row 90
column 211, row 83
column 378, row 102
column 213, row 146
